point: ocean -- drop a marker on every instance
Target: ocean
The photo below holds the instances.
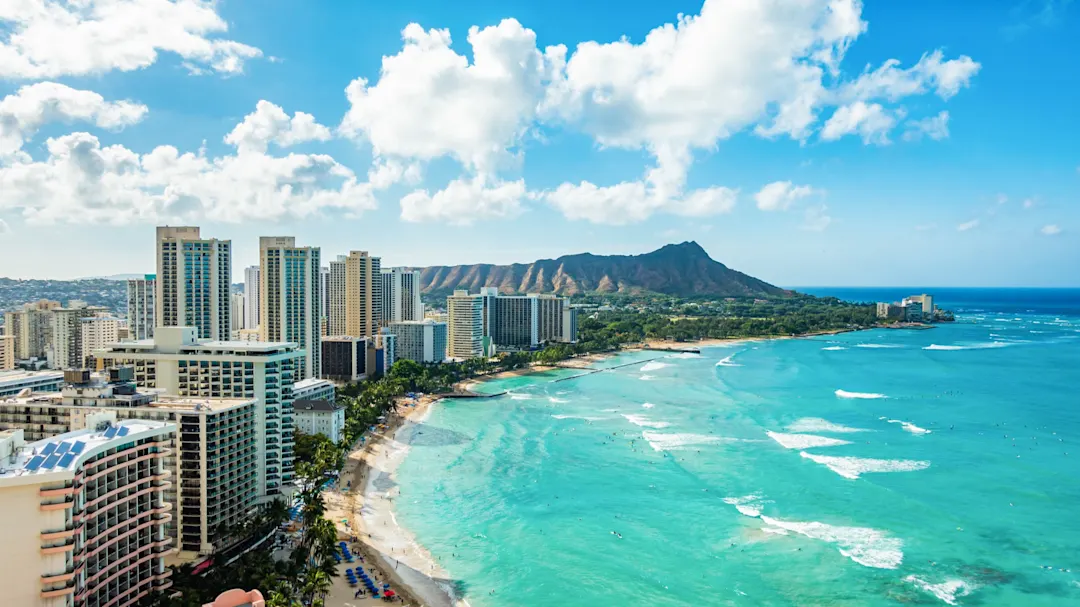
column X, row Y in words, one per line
column 884, row 467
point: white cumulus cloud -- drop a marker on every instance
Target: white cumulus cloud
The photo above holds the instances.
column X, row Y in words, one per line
column 967, row 225
column 430, row 101
column 635, row 201
column 936, row 128
column 270, row 124
column 24, row 112
column 816, row 219
column 871, row 121
column 82, row 181
column 1051, row 230
column 464, row 201
column 932, row 73
column 51, row 38
column 780, row 195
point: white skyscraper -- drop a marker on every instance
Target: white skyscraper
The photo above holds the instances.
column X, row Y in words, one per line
column 251, row 297
column 140, row 306
column 465, row 334
column 238, row 302
column 193, row 281
column 289, row 293
column 401, row 295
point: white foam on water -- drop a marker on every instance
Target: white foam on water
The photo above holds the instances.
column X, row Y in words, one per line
column 653, row 366
column 878, row 346
column 750, row 505
column 864, row 545
column 648, row 406
column 979, row 346
column 557, row 400
column 816, row 424
column 846, row 394
column 584, row 417
column 910, row 427
column 520, row 396
column 727, row 362
column 660, row 441
column 684, row 355
column 644, row 422
column 774, row 530
column 834, row 348
column 853, row 467
column 646, row 377
column 947, row 591
column 805, row 441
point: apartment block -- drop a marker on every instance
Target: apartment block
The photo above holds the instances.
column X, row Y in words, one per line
column 193, row 282
column 140, row 306
column 401, row 295
column 238, row 303
column 84, row 516
column 31, row 327
column 335, row 293
column 66, row 349
column 423, row 341
column 344, row 358
column 177, row 362
column 7, row 352
column 97, row 332
column 252, row 313
column 363, row 294
column 289, row 291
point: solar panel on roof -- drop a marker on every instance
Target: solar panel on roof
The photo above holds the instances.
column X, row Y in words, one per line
column 78, row 447
column 111, row 432
column 63, row 448
column 66, row 460
column 49, row 449
column 123, row 431
column 51, row 462
column 35, row 462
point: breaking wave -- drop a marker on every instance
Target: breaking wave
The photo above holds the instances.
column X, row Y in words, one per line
column 846, row 394
column 805, row 441
column 834, row 348
column 910, row 427
column 878, row 346
column 653, row 366
column 816, row 424
column 979, row 346
column 947, row 591
column 853, row 467
column 644, row 422
column 726, row 362
column 750, row 505
column 648, row 406
column 660, row 441
column 684, row 355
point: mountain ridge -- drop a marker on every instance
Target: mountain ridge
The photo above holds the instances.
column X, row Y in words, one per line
column 674, row 269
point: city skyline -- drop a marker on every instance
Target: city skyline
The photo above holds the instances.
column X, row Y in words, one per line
column 858, row 150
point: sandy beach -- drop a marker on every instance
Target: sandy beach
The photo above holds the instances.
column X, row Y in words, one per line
column 363, row 508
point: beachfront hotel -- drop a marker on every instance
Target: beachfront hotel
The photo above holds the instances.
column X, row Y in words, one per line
column 213, row 455
column 423, row 341
column 177, row 362
column 507, row 322
column 193, row 282
column 401, row 295
column 289, row 304
column 84, row 516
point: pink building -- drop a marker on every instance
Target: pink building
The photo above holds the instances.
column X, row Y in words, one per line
column 238, row 598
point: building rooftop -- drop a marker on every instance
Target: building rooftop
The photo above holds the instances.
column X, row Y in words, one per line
column 196, row 403
column 65, row 452
column 11, row 377
column 315, row 405
column 311, row 381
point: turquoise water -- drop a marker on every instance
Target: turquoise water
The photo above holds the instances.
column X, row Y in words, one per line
column 966, row 497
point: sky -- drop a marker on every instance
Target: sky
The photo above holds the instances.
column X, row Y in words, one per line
column 805, row 142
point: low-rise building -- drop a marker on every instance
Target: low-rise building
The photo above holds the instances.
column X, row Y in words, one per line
column 14, row 382
column 314, row 389
column 84, row 516
column 320, row 417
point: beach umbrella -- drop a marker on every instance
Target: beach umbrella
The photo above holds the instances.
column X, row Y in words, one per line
column 389, row 593
column 386, row 585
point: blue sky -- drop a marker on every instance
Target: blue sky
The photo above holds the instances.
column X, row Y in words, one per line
column 535, row 152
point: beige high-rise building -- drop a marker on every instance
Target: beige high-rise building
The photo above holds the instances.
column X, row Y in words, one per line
column 335, row 293
column 31, row 327
column 66, row 346
column 7, row 352
column 465, row 330
column 363, row 294
column 193, row 282
column 289, row 296
column 84, row 516
column 97, row 332
column 179, row 363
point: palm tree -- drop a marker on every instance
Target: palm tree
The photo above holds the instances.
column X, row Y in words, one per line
column 316, row 584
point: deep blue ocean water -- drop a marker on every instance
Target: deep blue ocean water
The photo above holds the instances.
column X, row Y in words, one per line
column 885, row 467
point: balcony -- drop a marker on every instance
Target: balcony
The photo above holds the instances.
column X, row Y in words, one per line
column 67, row 589
column 62, row 505
column 67, row 546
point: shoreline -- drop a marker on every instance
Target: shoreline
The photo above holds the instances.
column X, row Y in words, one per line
column 367, row 506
